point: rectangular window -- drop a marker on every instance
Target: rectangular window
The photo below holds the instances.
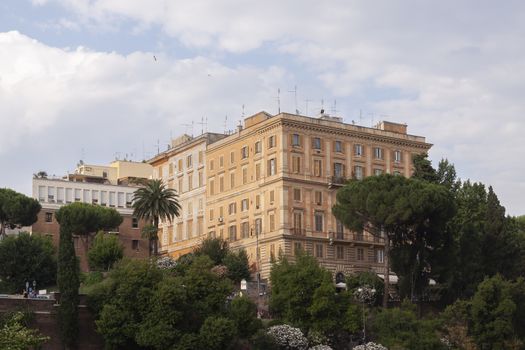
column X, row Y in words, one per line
column 49, row 217
column 318, row 197
column 211, row 214
column 212, row 187
column 378, row 153
column 339, row 170
column 211, row 164
column 296, row 194
column 180, row 165
column 271, row 167
column 232, row 180
column 298, row 223
column 318, row 221
column 232, row 157
column 232, row 233
column 244, row 176
column 378, row 172
column 200, row 204
column 221, row 161
column 258, row 147
column 340, row 252
column 272, row 196
column 190, row 208
column 358, row 172
column 397, row 156
column 380, row 256
column 271, row 141
column 258, row 201
column 316, row 143
column 258, row 171
column 296, row 140
column 258, row 226
column 272, row 222
column 201, row 157
column 339, row 230
column 200, row 178
column 319, row 250
column 245, row 230
column 244, row 152
column 318, row 167
column 190, row 182
column 221, row 184
column 170, row 169
column 360, row 254
column 297, row 248
column 189, row 229
column 160, row 171
column 135, row 244
column 245, row 204
column 232, row 208
column 134, row 222
column 189, row 162
column 358, row 150
column 296, row 165
column 338, row 146
column 221, row 212
column 181, row 189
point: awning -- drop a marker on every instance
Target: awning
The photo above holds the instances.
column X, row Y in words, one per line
column 340, row 285
column 393, row 278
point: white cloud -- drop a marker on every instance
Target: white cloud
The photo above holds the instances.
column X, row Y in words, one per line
column 452, row 70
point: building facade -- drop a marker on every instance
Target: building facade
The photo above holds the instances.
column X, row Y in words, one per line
column 182, row 168
column 272, row 185
column 99, row 185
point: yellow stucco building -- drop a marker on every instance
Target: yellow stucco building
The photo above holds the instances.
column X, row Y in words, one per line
column 271, row 185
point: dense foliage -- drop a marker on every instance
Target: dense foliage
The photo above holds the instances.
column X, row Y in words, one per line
column 105, row 251
column 16, row 210
column 15, row 334
column 25, row 258
column 173, row 305
column 154, row 202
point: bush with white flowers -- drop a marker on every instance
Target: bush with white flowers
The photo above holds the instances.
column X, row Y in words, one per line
column 321, row 347
column 166, row 263
column 288, row 337
column 370, row 346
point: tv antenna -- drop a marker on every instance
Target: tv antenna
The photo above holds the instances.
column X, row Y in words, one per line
column 334, row 108
column 243, row 110
column 278, row 101
column 306, row 105
column 294, row 91
column 225, row 124
column 189, row 125
column 204, row 124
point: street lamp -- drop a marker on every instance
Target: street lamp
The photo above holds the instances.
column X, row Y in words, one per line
column 365, row 294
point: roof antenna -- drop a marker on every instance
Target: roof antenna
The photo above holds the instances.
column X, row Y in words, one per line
column 204, row 124
column 243, row 110
column 295, row 98
column 306, row 103
column 278, row 101
column 225, row 124
column 189, row 126
column 334, row 108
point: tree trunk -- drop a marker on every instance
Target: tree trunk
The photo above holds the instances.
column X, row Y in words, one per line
column 155, row 240
column 387, row 270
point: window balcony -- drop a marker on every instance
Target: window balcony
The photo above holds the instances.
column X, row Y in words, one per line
column 336, row 181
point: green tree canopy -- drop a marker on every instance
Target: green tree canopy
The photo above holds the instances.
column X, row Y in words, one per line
column 410, row 213
column 16, row 210
column 105, row 251
column 26, row 258
column 215, row 248
column 237, row 264
column 15, row 334
column 155, row 202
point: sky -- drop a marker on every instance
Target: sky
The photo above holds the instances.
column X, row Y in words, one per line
column 103, row 79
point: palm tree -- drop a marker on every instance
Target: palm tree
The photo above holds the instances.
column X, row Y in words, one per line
column 155, row 202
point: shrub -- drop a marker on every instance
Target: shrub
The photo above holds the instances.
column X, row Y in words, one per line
column 288, row 337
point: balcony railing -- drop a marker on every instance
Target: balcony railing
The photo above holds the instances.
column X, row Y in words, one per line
column 336, row 181
column 298, row 231
column 366, row 238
